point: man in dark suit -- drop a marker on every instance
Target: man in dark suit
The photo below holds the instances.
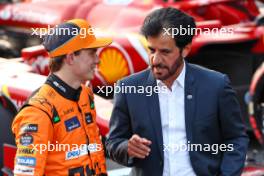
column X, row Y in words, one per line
column 190, row 125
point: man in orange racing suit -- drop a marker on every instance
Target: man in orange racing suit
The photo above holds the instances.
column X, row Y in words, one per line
column 56, row 131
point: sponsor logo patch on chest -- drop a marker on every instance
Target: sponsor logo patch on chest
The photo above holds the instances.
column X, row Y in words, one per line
column 72, row 124
column 77, row 152
column 88, row 118
column 68, row 111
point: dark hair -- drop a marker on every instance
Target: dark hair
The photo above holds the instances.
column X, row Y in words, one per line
column 56, row 63
column 169, row 17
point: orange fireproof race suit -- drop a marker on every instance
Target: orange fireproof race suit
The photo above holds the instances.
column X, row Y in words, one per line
column 56, row 133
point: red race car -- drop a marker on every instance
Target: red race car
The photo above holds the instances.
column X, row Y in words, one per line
column 238, row 51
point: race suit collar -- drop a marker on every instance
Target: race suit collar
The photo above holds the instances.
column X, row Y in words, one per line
column 62, row 88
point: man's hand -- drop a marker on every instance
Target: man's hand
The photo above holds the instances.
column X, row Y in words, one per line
column 138, row 147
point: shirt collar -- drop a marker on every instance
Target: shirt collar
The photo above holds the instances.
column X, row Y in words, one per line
column 63, row 88
column 180, row 79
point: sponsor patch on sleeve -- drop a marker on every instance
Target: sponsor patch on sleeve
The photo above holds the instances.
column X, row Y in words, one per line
column 29, row 128
column 72, row 123
column 26, row 139
column 23, row 170
column 25, row 151
column 26, row 161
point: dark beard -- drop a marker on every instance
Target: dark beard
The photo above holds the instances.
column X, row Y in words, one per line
column 171, row 71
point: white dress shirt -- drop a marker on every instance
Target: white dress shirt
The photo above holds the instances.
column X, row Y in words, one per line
column 176, row 161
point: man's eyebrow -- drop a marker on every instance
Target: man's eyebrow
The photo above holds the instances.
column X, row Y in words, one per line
column 150, row 48
column 165, row 50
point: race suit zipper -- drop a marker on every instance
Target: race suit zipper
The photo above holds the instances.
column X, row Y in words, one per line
column 87, row 140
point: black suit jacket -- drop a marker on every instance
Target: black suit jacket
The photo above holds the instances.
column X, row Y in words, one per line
column 212, row 116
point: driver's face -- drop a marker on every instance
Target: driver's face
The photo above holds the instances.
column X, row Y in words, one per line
column 85, row 64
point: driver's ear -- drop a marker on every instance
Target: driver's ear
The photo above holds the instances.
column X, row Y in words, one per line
column 69, row 59
column 186, row 50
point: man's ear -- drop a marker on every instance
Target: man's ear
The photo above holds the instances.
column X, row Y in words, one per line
column 69, row 59
column 186, row 50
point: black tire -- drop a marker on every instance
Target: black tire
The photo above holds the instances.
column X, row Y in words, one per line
column 258, row 100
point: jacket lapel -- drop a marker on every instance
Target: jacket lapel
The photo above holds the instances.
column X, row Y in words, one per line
column 189, row 99
column 154, row 113
column 154, row 109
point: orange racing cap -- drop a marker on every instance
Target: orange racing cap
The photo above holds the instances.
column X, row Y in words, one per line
column 72, row 36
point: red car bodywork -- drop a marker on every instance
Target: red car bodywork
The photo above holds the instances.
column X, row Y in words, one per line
column 121, row 20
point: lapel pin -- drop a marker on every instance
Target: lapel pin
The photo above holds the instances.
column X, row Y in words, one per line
column 189, row 97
